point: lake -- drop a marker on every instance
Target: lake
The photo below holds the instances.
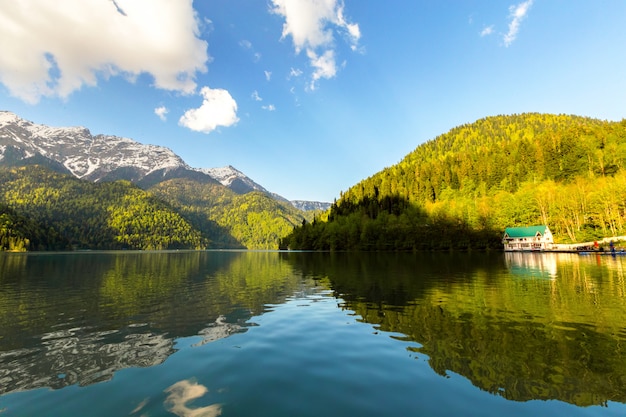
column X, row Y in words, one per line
column 307, row 334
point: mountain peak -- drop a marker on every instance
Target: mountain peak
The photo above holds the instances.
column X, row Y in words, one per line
column 234, row 179
column 7, row 117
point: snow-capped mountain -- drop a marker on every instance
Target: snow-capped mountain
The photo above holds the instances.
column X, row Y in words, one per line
column 233, row 179
column 82, row 154
column 237, row 181
column 103, row 157
column 99, row 157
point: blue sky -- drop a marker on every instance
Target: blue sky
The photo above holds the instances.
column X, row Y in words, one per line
column 306, row 97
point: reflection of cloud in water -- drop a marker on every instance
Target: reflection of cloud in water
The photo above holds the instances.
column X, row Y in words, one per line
column 185, row 391
column 139, row 407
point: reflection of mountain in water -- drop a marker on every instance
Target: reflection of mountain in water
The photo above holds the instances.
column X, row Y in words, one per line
column 90, row 357
column 77, row 319
column 522, row 339
column 79, row 357
column 221, row 329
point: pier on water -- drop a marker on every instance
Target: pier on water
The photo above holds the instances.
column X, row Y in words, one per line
column 618, row 242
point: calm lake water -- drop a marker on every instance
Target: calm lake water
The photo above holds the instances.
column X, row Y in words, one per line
column 312, row 334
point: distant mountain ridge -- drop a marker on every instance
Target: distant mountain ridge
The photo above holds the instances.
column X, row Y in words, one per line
column 80, row 153
column 310, row 205
column 76, row 151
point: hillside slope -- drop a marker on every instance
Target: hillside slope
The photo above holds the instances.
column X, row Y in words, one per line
column 563, row 171
column 253, row 220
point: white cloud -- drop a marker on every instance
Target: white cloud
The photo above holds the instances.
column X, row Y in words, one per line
column 324, row 65
column 517, row 13
column 218, row 109
column 268, row 75
column 53, row 48
column 161, row 112
column 246, row 44
column 354, row 32
column 255, row 96
column 295, row 72
column 308, row 21
column 312, row 25
column 269, row 107
column 488, row 30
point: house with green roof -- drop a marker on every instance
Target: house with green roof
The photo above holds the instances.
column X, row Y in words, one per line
column 532, row 238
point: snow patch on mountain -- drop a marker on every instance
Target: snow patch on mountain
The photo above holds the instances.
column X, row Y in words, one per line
column 8, row 118
column 228, row 175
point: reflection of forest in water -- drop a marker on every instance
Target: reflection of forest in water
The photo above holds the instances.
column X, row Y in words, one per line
column 526, row 326
column 78, row 318
column 523, row 327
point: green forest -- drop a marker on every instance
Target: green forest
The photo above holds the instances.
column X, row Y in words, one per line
column 19, row 234
column 253, row 220
column 86, row 215
column 45, row 210
column 460, row 190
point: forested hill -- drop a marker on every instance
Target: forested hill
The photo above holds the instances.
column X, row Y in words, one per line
column 253, row 220
column 45, row 210
column 461, row 189
column 501, row 153
column 63, row 212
